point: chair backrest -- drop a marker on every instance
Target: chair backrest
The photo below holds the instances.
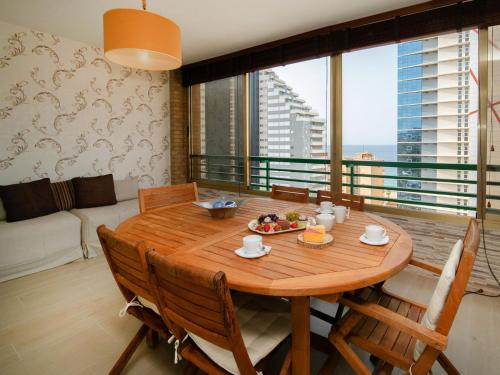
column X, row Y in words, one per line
column 127, row 262
column 198, row 301
column 162, row 196
column 464, row 270
column 356, row 202
column 289, row 193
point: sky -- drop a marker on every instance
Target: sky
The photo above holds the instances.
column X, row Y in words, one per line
column 369, row 92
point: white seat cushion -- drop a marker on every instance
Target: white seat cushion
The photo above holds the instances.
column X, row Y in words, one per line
column 38, row 244
column 264, row 324
column 110, row 216
column 438, row 299
column 149, row 304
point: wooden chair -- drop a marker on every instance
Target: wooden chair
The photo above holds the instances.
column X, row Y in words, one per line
column 356, row 202
column 388, row 326
column 289, row 193
column 162, row 196
column 127, row 262
column 198, row 302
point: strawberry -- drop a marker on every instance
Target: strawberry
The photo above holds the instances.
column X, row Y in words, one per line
column 258, row 228
column 277, row 228
column 267, row 227
column 294, row 225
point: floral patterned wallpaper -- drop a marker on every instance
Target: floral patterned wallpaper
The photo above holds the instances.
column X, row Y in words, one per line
column 65, row 111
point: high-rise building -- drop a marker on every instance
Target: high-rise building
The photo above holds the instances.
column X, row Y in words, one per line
column 216, row 128
column 288, row 128
column 370, row 177
column 437, row 90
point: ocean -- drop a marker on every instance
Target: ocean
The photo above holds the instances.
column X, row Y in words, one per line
column 380, row 152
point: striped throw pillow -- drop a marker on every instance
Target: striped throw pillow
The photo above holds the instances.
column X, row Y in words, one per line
column 64, row 194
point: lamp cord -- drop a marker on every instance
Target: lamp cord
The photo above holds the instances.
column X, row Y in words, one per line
column 143, row 4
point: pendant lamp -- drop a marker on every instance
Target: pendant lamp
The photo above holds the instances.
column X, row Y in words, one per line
column 142, row 40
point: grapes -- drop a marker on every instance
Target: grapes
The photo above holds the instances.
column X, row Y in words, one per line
column 273, row 217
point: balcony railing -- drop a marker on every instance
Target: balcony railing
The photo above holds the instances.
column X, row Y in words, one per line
column 413, row 181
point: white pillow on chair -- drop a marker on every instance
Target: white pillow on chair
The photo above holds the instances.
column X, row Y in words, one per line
column 438, row 299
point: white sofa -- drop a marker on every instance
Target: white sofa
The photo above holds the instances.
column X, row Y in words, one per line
column 110, row 216
column 38, row 244
column 34, row 245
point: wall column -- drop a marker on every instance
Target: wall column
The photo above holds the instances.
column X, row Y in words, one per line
column 179, row 133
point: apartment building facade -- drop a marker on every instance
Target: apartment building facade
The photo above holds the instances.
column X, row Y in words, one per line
column 287, row 127
column 437, row 92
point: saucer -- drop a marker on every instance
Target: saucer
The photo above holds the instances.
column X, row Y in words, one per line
column 242, row 253
column 318, row 210
column 383, row 241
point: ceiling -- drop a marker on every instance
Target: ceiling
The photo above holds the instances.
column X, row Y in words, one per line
column 209, row 27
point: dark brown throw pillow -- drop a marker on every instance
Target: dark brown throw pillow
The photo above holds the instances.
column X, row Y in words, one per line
column 64, row 194
column 94, row 191
column 28, row 200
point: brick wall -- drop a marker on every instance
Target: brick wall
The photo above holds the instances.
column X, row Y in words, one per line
column 178, row 128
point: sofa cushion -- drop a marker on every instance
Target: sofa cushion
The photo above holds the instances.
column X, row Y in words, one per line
column 37, row 244
column 28, row 200
column 94, row 191
column 264, row 324
column 110, row 216
column 126, row 189
column 64, row 195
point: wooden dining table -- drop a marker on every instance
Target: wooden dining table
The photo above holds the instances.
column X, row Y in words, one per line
column 186, row 233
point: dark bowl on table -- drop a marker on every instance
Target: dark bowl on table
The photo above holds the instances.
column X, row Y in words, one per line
column 222, row 212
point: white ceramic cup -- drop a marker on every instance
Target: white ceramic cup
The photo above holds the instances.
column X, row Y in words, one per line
column 341, row 213
column 375, row 232
column 326, row 206
column 252, row 244
column 327, row 220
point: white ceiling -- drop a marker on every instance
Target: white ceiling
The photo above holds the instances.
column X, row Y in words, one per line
column 209, row 27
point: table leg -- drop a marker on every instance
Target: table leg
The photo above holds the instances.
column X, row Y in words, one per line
column 301, row 350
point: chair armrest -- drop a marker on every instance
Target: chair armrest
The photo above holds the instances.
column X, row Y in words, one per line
column 389, row 317
column 426, row 266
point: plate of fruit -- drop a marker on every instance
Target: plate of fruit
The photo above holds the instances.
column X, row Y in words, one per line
column 273, row 223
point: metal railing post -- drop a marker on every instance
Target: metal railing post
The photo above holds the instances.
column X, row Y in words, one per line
column 351, row 179
column 268, row 177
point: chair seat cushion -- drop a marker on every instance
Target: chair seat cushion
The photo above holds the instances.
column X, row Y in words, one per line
column 440, row 295
column 148, row 304
column 264, row 323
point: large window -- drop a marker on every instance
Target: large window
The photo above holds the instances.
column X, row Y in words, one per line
column 409, row 125
column 413, row 103
column 493, row 122
column 289, row 118
column 216, row 130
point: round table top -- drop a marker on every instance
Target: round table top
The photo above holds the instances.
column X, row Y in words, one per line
column 188, row 234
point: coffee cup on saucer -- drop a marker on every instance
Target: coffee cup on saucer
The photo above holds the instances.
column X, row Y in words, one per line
column 252, row 244
column 326, row 207
column 341, row 213
column 327, row 220
column 375, row 233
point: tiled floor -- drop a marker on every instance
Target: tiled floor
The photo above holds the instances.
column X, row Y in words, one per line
column 65, row 321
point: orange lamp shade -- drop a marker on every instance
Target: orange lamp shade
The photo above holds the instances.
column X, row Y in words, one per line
column 142, row 40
